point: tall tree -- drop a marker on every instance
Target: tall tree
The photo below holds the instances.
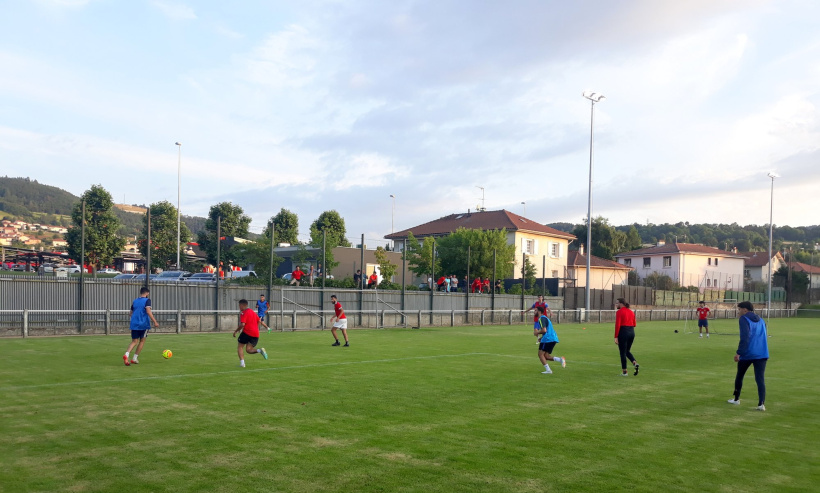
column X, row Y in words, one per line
column 234, row 223
column 332, row 224
column 606, row 240
column 386, row 267
column 102, row 243
column 163, row 234
column 453, row 248
column 286, row 227
column 419, row 256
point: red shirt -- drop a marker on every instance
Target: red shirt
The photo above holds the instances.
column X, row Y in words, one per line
column 535, row 306
column 340, row 314
column 487, row 284
column 297, row 274
column 703, row 313
column 251, row 321
column 440, row 281
column 476, row 285
column 373, row 279
column 624, row 318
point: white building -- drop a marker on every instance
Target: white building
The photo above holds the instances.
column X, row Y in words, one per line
column 602, row 273
column 688, row 264
column 756, row 265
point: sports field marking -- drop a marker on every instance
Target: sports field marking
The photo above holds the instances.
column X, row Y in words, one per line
column 244, row 370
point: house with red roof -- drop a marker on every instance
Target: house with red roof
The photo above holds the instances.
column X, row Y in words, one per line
column 603, row 273
column 757, row 265
column 689, row 264
column 812, row 271
column 547, row 247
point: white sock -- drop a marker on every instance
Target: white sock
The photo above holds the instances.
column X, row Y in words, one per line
column 135, row 357
column 242, row 362
column 126, row 354
column 546, row 367
column 557, row 359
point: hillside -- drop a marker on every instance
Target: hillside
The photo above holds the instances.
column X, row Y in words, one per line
column 31, row 201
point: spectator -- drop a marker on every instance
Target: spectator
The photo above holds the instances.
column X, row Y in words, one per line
column 498, row 286
column 453, row 283
column 373, row 280
column 486, row 285
column 312, row 274
column 296, row 276
column 447, row 284
column 476, row 286
column 357, row 279
column 440, row 283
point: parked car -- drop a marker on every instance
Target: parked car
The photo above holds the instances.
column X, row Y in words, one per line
column 108, row 270
column 172, row 276
column 238, row 274
column 141, row 277
column 201, row 277
column 124, row 277
column 71, row 269
column 19, row 267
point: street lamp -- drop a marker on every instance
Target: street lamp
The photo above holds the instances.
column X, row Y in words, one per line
column 393, row 218
column 179, row 180
column 594, row 97
column 772, row 175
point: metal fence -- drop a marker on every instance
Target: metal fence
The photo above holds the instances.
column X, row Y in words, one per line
column 25, row 323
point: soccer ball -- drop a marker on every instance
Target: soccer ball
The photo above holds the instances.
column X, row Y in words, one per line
column 167, row 354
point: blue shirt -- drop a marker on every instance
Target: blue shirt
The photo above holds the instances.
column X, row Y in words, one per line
column 550, row 336
column 139, row 314
column 261, row 308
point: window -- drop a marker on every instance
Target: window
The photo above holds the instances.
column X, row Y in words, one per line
column 716, row 262
column 708, row 283
column 529, row 247
column 667, row 261
column 555, row 250
column 647, row 262
column 714, row 283
column 628, row 262
column 746, row 273
column 555, row 273
column 709, row 262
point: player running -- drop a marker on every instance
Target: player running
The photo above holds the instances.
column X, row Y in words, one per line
column 703, row 318
column 341, row 322
column 262, row 307
column 249, row 338
column 540, row 302
column 548, row 341
column 141, row 318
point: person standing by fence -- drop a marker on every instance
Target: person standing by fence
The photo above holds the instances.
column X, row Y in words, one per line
column 625, row 334
column 753, row 349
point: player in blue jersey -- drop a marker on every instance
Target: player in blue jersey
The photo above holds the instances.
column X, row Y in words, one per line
column 262, row 308
column 141, row 318
column 540, row 302
column 548, row 341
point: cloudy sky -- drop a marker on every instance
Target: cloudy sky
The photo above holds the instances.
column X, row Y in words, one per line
column 314, row 105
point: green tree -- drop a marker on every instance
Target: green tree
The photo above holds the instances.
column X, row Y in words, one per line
column 234, row 223
column 163, row 234
column 633, row 239
column 258, row 254
column 285, row 226
column 419, row 256
column 799, row 283
column 453, row 248
column 333, row 224
column 102, row 243
column 606, row 240
column 529, row 272
column 386, row 267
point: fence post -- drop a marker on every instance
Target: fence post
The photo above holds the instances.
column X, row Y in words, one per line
column 482, row 317
column 599, row 316
column 382, row 319
column 293, row 320
column 452, row 318
column 108, row 322
column 419, row 320
column 665, row 315
column 179, row 321
column 510, row 323
column 558, row 316
column 25, row 324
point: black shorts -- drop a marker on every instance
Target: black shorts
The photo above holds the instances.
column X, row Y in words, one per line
column 246, row 339
column 547, row 347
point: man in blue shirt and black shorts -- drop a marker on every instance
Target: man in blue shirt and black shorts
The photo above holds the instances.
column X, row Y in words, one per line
column 262, row 307
column 141, row 318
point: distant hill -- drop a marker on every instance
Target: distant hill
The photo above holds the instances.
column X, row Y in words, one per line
column 31, row 201
column 565, row 227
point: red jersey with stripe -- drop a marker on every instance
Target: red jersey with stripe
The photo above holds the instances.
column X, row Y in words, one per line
column 703, row 313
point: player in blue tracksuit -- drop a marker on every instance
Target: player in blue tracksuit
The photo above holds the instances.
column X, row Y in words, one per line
column 753, row 350
column 548, row 341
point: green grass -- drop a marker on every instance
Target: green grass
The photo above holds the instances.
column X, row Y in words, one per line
column 445, row 409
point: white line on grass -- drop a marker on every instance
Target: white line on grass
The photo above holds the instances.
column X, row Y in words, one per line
column 245, row 370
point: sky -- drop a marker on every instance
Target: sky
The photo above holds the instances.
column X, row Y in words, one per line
column 318, row 105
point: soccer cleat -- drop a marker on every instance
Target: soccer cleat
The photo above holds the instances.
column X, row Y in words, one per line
column 337, row 343
column 135, row 361
column 347, row 344
column 637, row 367
column 624, row 374
column 546, row 372
column 125, row 360
column 734, row 401
column 264, row 353
column 761, row 407
column 701, row 336
column 563, row 361
column 241, row 365
column 707, row 336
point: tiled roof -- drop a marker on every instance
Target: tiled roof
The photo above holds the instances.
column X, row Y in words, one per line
column 757, row 259
column 575, row 258
column 679, row 248
column 808, row 269
column 486, row 220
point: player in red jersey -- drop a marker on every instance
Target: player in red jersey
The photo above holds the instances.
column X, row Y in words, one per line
column 341, row 322
column 703, row 318
column 546, row 308
column 249, row 338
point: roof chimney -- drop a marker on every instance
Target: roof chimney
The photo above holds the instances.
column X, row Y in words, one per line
column 581, row 249
column 661, row 242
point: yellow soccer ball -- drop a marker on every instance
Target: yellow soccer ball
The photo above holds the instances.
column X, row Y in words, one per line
column 167, row 354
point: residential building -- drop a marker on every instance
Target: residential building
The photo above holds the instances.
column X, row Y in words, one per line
column 546, row 247
column 603, row 274
column 689, row 264
column 756, row 265
column 811, row 271
column 59, row 243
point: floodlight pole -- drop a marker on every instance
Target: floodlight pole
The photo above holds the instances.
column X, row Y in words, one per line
column 593, row 98
column 179, row 213
column 771, row 215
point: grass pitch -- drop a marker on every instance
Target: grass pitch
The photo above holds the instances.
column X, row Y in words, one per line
column 444, row 409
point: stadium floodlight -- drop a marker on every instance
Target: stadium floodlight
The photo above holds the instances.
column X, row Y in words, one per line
column 771, row 175
column 179, row 179
column 594, row 97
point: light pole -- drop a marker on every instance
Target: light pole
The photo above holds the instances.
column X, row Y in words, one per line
column 179, row 180
column 772, row 175
column 594, row 97
column 393, row 218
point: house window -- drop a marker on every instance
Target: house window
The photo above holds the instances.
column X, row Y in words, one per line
column 667, row 261
column 710, row 261
column 628, row 262
column 746, row 273
column 529, row 247
column 714, row 283
column 708, row 283
column 647, row 262
column 716, row 262
column 555, row 250
column 555, row 273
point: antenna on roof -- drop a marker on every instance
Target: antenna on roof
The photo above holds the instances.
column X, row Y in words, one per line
column 481, row 208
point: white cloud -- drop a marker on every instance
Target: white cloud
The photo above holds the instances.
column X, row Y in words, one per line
column 175, row 11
